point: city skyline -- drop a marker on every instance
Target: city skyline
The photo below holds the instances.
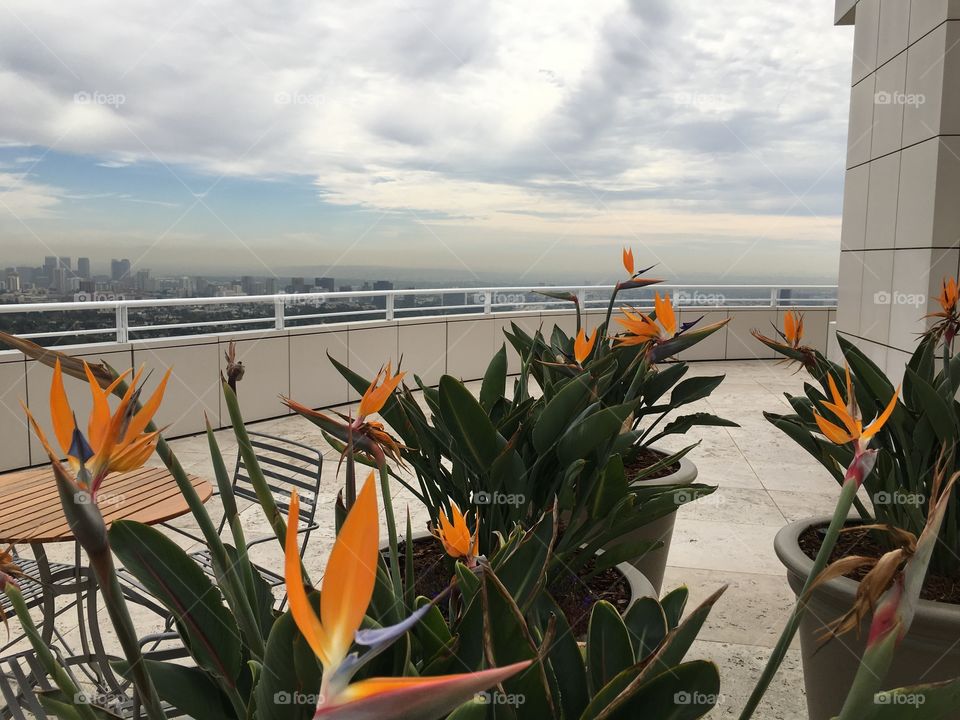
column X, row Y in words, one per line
column 477, row 138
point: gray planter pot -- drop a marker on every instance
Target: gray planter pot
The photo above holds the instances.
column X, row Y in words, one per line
column 654, row 563
column 929, row 652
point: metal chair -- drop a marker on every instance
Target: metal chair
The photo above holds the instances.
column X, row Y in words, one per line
column 23, row 680
column 287, row 466
column 40, row 585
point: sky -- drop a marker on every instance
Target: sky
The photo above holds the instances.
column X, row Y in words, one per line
column 488, row 138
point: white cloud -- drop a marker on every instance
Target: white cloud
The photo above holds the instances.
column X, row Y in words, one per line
column 511, row 116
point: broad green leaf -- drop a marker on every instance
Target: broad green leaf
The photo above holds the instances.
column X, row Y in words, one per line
column 468, row 422
column 494, row 380
column 171, row 576
column 647, row 626
column 609, row 651
column 673, row 604
column 555, row 417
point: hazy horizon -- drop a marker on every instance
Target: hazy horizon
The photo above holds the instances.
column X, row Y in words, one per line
column 482, row 139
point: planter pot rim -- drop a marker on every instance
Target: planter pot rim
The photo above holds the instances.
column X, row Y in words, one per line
column 636, row 580
column 686, row 474
column 931, row 618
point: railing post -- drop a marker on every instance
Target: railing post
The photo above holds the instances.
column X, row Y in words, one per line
column 390, row 304
column 774, row 297
column 123, row 324
column 487, row 302
column 279, row 312
column 582, row 299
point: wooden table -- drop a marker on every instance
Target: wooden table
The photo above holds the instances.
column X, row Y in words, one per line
column 30, row 509
column 31, row 513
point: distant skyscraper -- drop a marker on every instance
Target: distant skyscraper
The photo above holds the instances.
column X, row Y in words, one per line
column 119, row 270
column 298, row 284
column 49, row 265
column 143, row 280
column 13, row 281
column 325, row 283
column 248, row 285
column 270, row 286
column 83, row 268
column 66, row 263
column 59, row 280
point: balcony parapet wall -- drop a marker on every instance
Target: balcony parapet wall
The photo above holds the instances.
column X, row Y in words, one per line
column 294, row 362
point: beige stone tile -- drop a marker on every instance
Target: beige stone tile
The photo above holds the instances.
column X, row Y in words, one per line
column 724, row 546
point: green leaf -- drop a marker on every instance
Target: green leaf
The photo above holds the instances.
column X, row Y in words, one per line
column 683, row 423
column 555, row 417
column 609, row 651
column 611, row 488
column 937, row 701
column 188, row 689
column 468, row 422
column 685, row 692
column 647, row 625
column 673, row 604
column 695, row 388
column 593, row 433
column 290, row 671
column 494, row 380
column 171, row 576
column 936, row 410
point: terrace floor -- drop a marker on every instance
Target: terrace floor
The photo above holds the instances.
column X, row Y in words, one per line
column 764, row 479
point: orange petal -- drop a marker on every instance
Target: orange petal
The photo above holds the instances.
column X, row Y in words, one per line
column 665, row 314
column 100, row 415
column 60, row 412
column 413, row 697
column 583, row 346
column 351, row 573
column 874, row 427
column 303, row 614
column 628, row 261
column 833, row 433
column 149, row 409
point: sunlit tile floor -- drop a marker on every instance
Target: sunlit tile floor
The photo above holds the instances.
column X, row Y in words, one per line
column 764, row 481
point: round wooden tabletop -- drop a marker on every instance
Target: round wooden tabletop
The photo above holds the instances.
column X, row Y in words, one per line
column 30, row 510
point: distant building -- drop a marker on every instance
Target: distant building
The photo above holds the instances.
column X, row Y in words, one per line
column 83, row 268
column 248, row 285
column 120, row 270
column 270, row 286
column 298, row 285
column 13, row 281
column 143, row 283
column 49, row 265
column 346, row 288
column 59, row 280
column 325, row 284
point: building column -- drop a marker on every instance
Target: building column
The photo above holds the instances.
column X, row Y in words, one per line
column 901, row 207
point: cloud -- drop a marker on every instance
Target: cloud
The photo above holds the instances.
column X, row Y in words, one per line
column 525, row 117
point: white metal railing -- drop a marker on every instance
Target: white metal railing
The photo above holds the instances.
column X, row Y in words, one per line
column 485, row 301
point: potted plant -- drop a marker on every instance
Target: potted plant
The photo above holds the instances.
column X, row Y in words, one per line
column 916, row 448
column 638, row 367
column 353, row 646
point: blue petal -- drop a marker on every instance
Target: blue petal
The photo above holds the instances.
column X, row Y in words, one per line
column 80, row 448
column 373, row 637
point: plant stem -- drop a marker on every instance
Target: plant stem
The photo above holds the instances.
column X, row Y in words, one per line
column 847, row 494
column 63, row 680
column 103, row 568
column 391, row 532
